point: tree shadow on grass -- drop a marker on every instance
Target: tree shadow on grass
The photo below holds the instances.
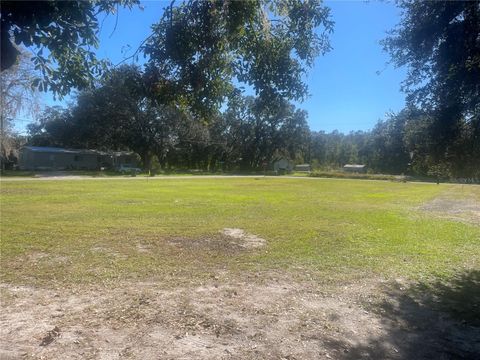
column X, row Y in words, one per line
column 427, row 320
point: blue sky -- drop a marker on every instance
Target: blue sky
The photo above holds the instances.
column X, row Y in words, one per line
column 346, row 92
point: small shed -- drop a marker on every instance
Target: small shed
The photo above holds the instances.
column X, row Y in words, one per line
column 303, row 168
column 355, row 168
column 282, row 165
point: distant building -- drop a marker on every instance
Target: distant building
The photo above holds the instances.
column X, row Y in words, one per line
column 119, row 158
column 303, row 167
column 52, row 158
column 355, row 168
column 282, row 165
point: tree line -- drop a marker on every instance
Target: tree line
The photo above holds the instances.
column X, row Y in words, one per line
column 247, row 134
column 122, row 114
column 403, row 143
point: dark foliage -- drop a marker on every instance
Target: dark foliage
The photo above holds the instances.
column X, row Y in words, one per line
column 439, row 42
column 63, row 35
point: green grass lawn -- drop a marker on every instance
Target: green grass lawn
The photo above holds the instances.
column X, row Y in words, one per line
column 84, row 231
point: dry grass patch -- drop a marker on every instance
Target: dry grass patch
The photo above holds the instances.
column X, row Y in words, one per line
column 458, row 209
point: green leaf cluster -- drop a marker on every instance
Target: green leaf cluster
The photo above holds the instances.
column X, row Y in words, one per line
column 64, row 36
column 200, row 51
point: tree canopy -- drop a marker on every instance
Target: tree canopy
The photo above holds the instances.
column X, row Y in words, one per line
column 201, row 50
column 63, row 35
column 439, row 41
column 16, row 97
column 17, row 94
column 196, row 53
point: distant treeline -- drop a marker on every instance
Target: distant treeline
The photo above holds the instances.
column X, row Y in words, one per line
column 405, row 143
column 250, row 133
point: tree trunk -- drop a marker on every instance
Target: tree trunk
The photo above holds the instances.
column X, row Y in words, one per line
column 146, row 160
column 162, row 160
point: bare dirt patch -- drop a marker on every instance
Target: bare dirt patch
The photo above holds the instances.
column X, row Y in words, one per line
column 260, row 316
column 144, row 248
column 248, row 241
column 38, row 257
column 227, row 241
column 107, row 251
column 458, row 209
column 211, row 244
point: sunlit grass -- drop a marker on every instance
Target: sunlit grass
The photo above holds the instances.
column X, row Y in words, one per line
column 102, row 230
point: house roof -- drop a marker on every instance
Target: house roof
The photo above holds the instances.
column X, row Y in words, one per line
column 57, row 150
column 48, row 149
column 354, row 166
column 121, row 153
column 278, row 158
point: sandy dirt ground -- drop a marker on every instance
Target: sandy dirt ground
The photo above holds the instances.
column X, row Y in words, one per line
column 260, row 316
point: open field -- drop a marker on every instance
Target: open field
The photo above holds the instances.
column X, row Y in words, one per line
column 239, row 268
